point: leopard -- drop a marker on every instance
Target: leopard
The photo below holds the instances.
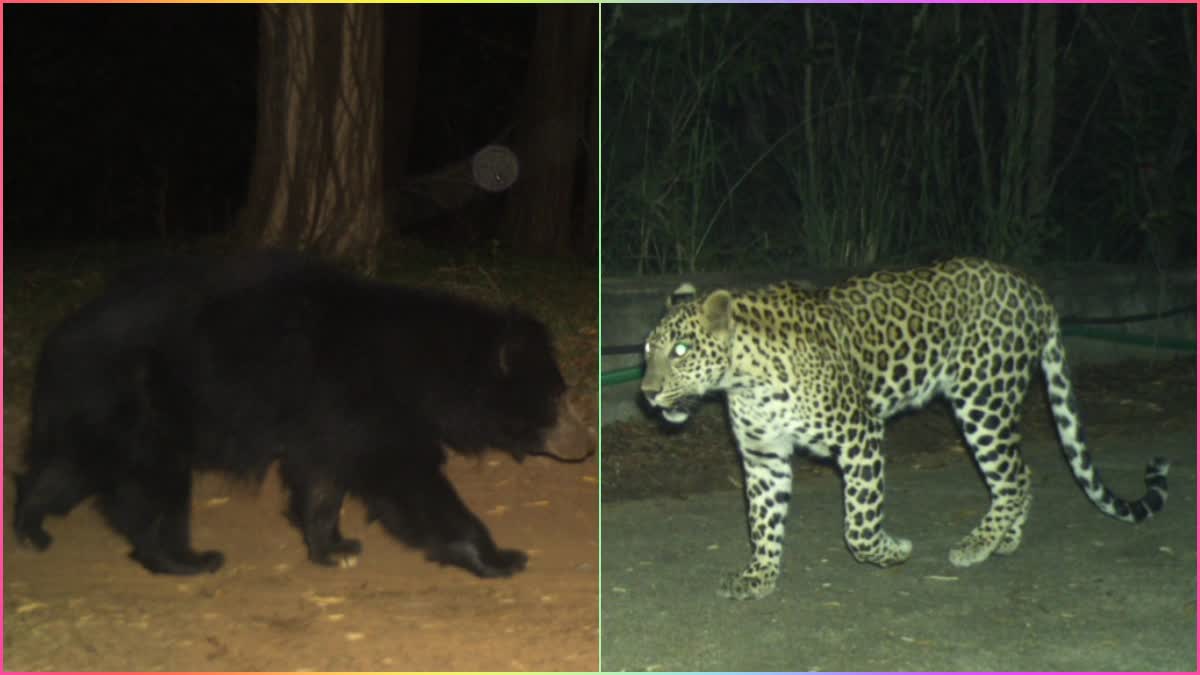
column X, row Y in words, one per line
column 822, row 369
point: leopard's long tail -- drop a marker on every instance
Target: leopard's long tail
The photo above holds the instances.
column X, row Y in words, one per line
column 1066, row 418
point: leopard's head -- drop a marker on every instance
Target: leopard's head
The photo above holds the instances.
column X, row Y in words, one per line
column 687, row 353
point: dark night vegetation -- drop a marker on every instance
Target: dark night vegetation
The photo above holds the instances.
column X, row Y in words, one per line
column 741, row 137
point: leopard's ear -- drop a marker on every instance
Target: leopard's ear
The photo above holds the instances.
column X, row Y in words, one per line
column 685, row 293
column 717, row 311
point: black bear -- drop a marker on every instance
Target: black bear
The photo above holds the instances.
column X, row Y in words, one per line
column 355, row 386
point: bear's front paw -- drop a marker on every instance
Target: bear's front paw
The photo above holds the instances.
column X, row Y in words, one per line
column 504, row 563
column 483, row 559
column 183, row 563
column 341, row 554
column 208, row 561
column 36, row 537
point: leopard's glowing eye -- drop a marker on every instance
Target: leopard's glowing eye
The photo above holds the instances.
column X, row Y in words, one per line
column 680, row 348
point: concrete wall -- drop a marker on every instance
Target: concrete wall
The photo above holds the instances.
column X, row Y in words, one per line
column 631, row 306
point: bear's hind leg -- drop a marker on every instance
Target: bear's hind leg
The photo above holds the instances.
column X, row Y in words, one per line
column 153, row 510
column 429, row 514
column 52, row 489
column 316, row 504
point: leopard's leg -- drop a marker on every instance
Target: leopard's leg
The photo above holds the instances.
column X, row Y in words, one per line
column 1012, row 538
column 768, row 482
column 989, row 426
column 862, row 475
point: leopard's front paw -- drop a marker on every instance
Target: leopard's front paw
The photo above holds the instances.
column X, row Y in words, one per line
column 753, row 582
column 1010, row 542
column 975, row 548
column 885, row 551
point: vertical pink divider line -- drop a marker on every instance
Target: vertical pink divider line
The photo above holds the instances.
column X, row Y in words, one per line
column 2, row 313
column 1197, row 665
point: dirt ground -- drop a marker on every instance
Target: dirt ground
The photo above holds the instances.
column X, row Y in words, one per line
column 83, row 605
column 1084, row 592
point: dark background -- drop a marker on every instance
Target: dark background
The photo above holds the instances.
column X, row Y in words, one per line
column 108, row 108
column 778, row 136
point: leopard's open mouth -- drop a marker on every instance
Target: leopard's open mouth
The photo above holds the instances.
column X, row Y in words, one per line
column 675, row 415
column 677, row 411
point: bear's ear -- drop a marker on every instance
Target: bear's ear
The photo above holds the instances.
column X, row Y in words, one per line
column 717, row 312
column 685, row 293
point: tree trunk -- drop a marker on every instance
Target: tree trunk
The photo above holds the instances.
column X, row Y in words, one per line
column 550, row 137
column 316, row 181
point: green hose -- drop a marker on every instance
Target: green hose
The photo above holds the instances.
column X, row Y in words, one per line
column 1125, row 338
column 620, row 376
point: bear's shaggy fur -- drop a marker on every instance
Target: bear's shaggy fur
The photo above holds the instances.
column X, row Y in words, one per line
column 354, row 386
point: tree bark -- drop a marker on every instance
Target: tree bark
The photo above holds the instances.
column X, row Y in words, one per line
column 550, row 138
column 316, row 181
